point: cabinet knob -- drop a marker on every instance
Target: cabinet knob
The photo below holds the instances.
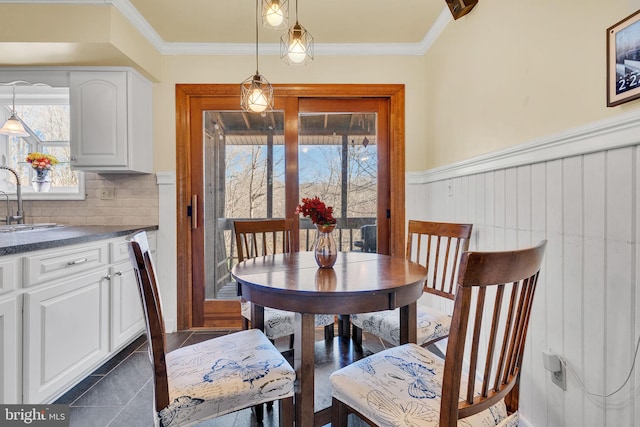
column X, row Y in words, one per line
column 117, row 273
column 72, row 158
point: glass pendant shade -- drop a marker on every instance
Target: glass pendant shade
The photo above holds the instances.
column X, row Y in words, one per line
column 296, row 46
column 13, row 127
column 256, row 94
column 275, row 14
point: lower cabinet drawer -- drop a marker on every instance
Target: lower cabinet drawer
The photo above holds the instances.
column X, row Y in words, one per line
column 54, row 264
column 120, row 248
column 68, row 326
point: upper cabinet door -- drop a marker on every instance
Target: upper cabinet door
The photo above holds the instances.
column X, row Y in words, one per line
column 111, row 121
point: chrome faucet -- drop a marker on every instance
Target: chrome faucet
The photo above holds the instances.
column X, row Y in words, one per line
column 7, row 219
column 19, row 216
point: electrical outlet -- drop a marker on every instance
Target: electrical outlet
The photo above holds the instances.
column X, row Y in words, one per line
column 553, row 364
column 559, row 378
column 108, row 193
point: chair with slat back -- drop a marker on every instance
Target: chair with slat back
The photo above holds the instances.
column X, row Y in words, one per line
column 256, row 238
column 438, row 246
column 403, row 384
column 214, row 377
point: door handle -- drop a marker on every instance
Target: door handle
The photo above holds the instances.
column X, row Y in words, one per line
column 194, row 211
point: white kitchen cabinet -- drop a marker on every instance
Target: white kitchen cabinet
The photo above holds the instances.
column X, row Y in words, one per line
column 111, row 121
column 10, row 350
column 10, row 277
column 66, row 335
column 10, row 327
column 127, row 318
column 63, row 312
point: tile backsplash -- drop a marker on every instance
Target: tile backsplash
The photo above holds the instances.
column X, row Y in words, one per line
column 134, row 202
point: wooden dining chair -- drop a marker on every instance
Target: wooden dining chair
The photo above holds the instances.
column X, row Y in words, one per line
column 212, row 378
column 438, row 246
column 408, row 385
column 256, row 238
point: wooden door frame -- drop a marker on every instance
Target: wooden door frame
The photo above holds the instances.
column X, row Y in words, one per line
column 185, row 93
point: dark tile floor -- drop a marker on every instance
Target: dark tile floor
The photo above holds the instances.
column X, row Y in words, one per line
column 120, row 392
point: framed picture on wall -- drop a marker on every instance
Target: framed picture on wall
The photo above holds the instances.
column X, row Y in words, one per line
column 623, row 60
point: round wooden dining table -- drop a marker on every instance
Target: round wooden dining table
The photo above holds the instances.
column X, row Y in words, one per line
column 358, row 282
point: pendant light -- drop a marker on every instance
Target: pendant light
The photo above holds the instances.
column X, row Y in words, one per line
column 256, row 93
column 296, row 45
column 275, row 14
column 13, row 126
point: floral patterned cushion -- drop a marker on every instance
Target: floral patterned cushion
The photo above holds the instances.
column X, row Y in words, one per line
column 279, row 323
column 432, row 324
column 223, row 375
column 402, row 386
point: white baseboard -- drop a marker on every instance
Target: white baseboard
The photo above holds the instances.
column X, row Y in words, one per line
column 524, row 422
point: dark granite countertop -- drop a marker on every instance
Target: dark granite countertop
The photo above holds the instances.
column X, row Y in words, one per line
column 17, row 242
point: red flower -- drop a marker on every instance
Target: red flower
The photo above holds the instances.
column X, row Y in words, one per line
column 316, row 210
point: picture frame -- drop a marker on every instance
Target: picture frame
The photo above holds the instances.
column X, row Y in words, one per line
column 623, row 60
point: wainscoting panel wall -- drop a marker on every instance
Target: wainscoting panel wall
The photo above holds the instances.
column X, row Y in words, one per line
column 584, row 200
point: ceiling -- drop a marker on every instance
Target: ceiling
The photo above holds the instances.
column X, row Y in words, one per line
column 329, row 21
column 242, row 128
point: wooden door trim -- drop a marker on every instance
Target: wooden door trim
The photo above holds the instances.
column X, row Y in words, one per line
column 184, row 96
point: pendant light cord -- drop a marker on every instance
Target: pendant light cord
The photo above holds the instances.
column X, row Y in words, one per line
column 13, row 108
column 257, row 9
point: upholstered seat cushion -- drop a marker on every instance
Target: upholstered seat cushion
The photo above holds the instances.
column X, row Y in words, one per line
column 432, row 324
column 223, row 375
column 279, row 323
column 402, row 386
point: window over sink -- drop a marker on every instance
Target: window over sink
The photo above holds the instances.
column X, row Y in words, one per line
column 44, row 113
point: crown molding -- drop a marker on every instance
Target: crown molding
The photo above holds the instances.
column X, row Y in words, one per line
column 327, row 49
column 137, row 20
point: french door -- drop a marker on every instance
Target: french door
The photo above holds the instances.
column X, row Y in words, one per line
column 237, row 165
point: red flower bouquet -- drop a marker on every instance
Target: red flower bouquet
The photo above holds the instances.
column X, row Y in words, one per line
column 317, row 211
column 41, row 161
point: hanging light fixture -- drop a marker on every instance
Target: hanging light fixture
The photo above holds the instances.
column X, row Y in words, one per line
column 275, row 14
column 13, row 126
column 296, row 45
column 256, row 93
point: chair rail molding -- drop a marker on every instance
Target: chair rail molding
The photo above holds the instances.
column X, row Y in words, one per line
column 619, row 131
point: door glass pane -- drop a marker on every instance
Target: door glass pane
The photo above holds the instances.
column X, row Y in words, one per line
column 338, row 162
column 243, row 178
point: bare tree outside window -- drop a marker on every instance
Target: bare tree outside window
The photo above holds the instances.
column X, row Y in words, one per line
column 49, row 129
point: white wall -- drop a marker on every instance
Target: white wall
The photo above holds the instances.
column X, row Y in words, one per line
column 579, row 190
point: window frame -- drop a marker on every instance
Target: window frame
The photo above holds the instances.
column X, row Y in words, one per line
column 29, row 94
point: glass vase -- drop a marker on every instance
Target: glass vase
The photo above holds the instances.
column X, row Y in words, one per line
column 325, row 250
column 41, row 181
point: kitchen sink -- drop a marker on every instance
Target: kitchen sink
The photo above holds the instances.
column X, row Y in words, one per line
column 28, row 227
